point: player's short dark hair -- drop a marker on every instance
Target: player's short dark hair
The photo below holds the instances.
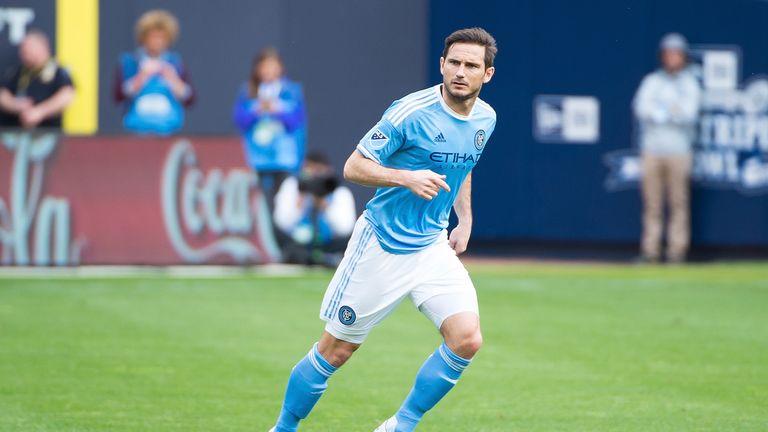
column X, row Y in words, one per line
column 477, row 36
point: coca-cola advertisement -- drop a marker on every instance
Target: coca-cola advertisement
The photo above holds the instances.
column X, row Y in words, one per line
column 130, row 200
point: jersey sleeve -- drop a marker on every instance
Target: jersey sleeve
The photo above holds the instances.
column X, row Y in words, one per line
column 381, row 141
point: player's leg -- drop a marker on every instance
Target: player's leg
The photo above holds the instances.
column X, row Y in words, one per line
column 360, row 295
column 450, row 301
column 442, row 370
column 309, row 379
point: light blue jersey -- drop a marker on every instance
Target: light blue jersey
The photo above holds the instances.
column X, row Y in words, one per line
column 420, row 132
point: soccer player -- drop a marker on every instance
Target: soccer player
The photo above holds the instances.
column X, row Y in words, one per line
column 420, row 156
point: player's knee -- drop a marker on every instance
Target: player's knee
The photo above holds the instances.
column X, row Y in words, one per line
column 335, row 351
column 468, row 344
column 473, row 343
column 338, row 355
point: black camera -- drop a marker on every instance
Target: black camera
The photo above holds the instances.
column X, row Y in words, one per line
column 318, row 185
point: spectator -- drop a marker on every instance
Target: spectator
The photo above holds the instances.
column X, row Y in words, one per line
column 667, row 106
column 269, row 112
column 152, row 81
column 314, row 215
column 35, row 92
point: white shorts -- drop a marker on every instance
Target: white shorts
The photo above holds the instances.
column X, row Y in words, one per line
column 370, row 282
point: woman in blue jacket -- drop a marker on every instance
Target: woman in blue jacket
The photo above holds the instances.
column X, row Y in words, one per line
column 152, row 81
column 270, row 115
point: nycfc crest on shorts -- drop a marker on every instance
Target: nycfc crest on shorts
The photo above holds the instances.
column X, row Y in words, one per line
column 347, row 315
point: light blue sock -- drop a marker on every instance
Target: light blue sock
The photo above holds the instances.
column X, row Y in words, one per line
column 435, row 379
column 307, row 383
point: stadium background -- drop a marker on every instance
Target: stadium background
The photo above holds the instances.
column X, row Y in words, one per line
column 352, row 65
column 569, row 346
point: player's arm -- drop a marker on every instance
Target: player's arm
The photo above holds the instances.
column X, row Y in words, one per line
column 424, row 183
column 459, row 237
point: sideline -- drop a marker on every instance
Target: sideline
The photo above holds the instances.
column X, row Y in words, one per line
column 181, row 272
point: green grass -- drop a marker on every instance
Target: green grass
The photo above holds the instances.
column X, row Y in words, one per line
column 567, row 349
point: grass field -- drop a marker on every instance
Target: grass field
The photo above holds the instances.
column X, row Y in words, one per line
column 568, row 348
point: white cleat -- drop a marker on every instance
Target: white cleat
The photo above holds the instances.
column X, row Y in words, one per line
column 272, row 430
column 388, row 426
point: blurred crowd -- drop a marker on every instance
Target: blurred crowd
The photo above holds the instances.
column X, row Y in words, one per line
column 314, row 214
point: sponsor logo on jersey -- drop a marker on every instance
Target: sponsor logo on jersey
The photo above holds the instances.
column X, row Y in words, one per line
column 480, row 139
column 347, row 315
column 439, row 138
column 453, row 157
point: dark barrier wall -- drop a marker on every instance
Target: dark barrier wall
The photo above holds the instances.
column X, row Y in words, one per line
column 526, row 189
column 16, row 17
column 345, row 54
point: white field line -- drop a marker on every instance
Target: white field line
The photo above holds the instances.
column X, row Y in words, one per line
column 179, row 272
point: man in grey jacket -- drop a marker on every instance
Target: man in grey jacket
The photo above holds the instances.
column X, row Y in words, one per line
column 667, row 108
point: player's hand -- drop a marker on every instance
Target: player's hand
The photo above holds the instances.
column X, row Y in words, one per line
column 459, row 238
column 425, row 183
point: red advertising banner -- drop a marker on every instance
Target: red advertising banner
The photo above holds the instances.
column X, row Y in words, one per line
column 130, row 200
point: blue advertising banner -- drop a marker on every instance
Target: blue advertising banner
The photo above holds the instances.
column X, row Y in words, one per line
column 536, row 185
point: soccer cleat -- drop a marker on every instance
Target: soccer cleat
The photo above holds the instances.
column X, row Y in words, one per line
column 272, row 430
column 388, row 426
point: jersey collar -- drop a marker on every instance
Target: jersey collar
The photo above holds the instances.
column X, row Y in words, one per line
column 450, row 110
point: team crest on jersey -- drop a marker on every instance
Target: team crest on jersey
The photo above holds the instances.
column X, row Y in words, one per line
column 480, row 139
column 347, row 316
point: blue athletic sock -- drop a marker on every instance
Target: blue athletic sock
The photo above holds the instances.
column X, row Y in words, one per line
column 435, row 379
column 307, row 383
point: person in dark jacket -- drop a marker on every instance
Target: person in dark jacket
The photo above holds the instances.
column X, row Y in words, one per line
column 35, row 92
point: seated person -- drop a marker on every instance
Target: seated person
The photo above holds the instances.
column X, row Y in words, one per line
column 314, row 214
column 152, row 81
column 35, row 92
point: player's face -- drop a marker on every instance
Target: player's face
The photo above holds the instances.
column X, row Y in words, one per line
column 464, row 71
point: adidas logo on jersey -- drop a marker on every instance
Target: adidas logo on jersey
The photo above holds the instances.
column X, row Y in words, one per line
column 439, row 138
column 378, row 135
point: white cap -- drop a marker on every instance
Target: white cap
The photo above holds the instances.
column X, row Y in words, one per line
column 673, row 41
